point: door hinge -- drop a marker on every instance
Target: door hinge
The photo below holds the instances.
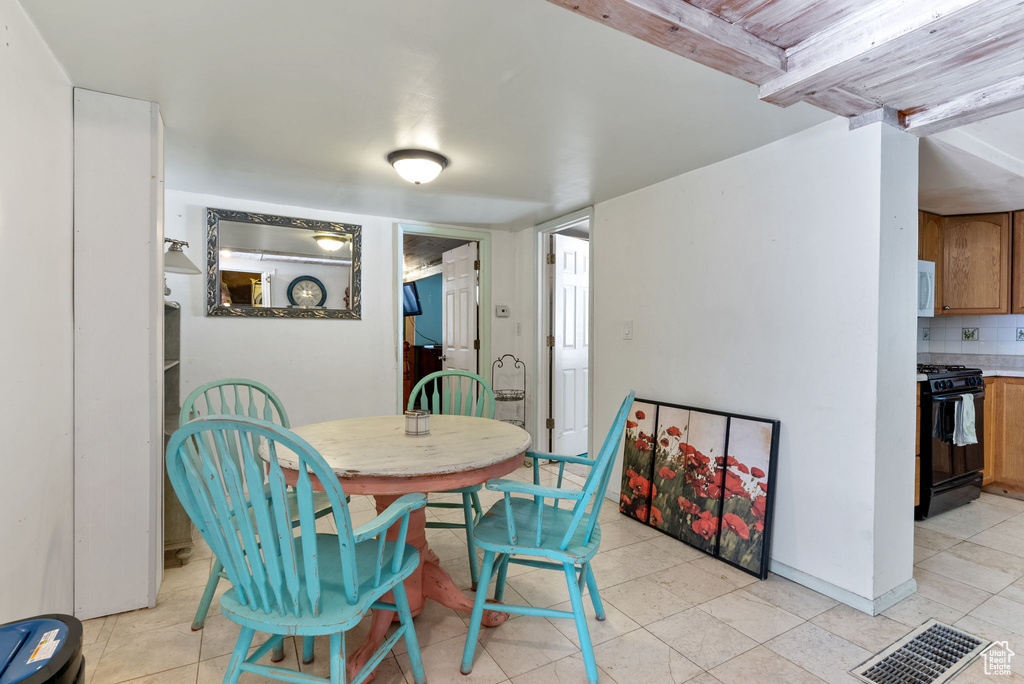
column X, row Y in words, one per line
column 551, row 259
column 551, row 424
column 476, row 265
column 476, row 344
column 551, row 340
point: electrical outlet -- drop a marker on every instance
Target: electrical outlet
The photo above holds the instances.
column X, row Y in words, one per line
column 627, row 330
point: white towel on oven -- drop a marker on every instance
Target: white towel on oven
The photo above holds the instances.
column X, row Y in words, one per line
column 963, row 421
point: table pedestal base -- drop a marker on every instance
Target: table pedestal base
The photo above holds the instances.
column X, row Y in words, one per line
column 429, row 580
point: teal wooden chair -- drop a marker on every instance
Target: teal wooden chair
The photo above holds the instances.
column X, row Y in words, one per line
column 284, row 584
column 458, row 393
column 242, row 398
column 523, row 529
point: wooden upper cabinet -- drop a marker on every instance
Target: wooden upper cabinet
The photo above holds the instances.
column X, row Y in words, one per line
column 929, row 248
column 1017, row 297
column 975, row 265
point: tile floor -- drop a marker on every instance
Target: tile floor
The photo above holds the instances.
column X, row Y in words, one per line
column 674, row 615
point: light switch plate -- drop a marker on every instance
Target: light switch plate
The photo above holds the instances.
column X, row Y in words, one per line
column 501, row 311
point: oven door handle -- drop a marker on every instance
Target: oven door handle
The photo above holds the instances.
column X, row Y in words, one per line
column 956, row 397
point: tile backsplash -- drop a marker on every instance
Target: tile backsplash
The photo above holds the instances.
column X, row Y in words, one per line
column 971, row 334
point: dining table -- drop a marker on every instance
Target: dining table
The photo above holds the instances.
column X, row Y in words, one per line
column 375, row 456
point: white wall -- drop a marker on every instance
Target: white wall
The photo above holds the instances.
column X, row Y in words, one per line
column 118, row 353
column 36, row 343
column 754, row 287
column 321, row 369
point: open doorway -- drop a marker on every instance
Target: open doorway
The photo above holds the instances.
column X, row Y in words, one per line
column 565, row 324
column 439, row 306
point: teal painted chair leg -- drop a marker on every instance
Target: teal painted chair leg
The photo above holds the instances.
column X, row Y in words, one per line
column 581, row 622
column 467, row 507
column 234, row 670
column 204, row 603
column 595, row 596
column 307, row 649
column 337, row 657
column 277, row 655
column 411, row 643
column 499, row 587
column 477, row 616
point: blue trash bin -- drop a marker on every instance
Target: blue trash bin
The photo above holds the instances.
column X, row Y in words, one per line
column 42, row 650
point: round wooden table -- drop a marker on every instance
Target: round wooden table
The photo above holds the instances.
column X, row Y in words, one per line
column 375, row 456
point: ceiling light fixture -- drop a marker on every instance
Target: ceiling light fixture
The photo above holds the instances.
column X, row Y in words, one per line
column 418, row 166
column 331, row 242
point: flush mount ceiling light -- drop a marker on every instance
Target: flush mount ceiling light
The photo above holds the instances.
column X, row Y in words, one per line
column 418, row 166
column 331, row 242
column 175, row 260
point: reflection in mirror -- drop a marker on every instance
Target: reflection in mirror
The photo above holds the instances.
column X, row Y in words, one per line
column 274, row 266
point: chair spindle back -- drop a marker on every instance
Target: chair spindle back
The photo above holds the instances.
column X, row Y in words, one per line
column 234, row 397
column 453, row 392
column 236, row 495
column 597, row 481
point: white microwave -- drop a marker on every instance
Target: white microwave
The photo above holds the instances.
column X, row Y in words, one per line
column 925, row 288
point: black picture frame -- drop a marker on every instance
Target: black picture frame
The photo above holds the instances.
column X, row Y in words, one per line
column 720, row 503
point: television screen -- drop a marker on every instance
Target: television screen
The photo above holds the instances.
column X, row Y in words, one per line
column 411, row 299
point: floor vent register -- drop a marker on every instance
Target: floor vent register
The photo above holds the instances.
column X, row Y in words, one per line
column 931, row 654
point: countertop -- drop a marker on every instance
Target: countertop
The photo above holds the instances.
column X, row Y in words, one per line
column 991, row 365
column 989, row 373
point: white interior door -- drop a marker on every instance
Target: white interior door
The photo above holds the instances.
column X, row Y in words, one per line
column 570, row 374
column 459, row 287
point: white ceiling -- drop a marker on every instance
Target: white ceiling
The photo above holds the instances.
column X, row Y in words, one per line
column 1004, row 133
column 541, row 111
column 974, row 169
column 953, row 181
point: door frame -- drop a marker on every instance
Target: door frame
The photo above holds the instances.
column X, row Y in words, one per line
column 542, row 388
column 483, row 240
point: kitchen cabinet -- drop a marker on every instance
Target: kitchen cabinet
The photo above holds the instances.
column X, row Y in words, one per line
column 991, row 407
column 972, row 261
column 1017, row 296
column 1004, row 447
column 929, row 248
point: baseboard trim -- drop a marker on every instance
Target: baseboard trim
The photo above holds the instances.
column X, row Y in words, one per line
column 864, row 605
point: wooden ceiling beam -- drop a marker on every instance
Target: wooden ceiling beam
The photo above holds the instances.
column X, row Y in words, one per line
column 882, row 32
column 1001, row 98
column 713, row 28
column 703, row 37
column 689, row 31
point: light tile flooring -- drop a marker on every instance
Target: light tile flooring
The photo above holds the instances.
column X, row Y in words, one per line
column 674, row 615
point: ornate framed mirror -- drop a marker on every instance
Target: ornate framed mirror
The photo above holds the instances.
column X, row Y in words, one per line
column 266, row 266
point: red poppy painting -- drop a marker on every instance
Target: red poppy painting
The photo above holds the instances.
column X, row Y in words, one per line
column 704, row 478
column 745, row 500
column 638, row 461
column 688, row 442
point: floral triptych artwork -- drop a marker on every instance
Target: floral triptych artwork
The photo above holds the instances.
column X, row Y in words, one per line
column 703, row 477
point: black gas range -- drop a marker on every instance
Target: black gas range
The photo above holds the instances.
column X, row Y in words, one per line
column 950, row 473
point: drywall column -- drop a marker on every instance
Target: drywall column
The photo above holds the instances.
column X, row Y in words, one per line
column 897, row 359
column 771, row 284
column 118, row 353
column 36, row 339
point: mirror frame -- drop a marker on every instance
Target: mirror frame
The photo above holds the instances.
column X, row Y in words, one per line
column 213, row 307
